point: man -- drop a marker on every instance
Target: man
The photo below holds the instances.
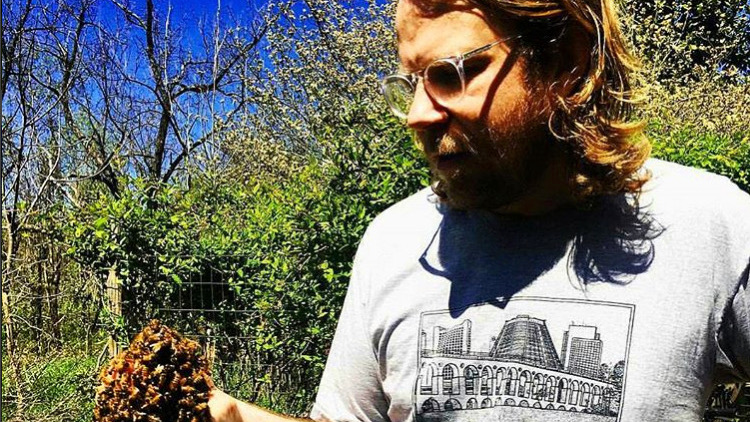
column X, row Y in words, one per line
column 551, row 273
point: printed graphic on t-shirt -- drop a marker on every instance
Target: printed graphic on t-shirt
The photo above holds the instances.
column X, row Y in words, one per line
column 534, row 359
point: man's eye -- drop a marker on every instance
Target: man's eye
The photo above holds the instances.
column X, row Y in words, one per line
column 475, row 66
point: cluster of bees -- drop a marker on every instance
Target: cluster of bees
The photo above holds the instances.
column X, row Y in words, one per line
column 161, row 377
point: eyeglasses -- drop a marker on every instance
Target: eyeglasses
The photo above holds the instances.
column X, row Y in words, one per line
column 444, row 81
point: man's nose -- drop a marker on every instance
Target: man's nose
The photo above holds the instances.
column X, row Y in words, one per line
column 424, row 111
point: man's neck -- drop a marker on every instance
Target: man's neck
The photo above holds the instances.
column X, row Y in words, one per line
column 551, row 192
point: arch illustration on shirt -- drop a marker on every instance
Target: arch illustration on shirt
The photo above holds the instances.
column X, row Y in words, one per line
column 520, row 361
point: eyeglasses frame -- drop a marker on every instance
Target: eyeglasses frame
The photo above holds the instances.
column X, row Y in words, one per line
column 412, row 78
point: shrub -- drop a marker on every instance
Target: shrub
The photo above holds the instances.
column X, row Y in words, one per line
column 702, row 123
column 281, row 247
column 680, row 38
column 725, row 154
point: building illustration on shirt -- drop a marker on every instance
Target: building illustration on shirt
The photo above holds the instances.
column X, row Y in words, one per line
column 493, row 362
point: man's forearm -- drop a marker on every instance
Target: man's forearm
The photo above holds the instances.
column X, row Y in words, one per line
column 225, row 408
column 252, row 413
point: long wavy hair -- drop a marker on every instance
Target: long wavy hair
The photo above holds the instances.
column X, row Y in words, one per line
column 595, row 121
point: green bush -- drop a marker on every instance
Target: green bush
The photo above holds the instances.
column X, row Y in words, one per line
column 702, row 123
column 724, row 154
column 282, row 246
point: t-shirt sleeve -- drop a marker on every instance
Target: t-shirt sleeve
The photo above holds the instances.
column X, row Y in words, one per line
column 351, row 387
column 734, row 331
column 734, row 335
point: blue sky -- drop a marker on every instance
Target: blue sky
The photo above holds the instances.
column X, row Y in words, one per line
column 207, row 8
column 187, row 15
column 186, row 12
column 198, row 8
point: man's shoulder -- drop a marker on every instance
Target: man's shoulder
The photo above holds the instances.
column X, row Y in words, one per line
column 688, row 184
column 418, row 209
column 695, row 197
column 406, row 221
column 400, row 230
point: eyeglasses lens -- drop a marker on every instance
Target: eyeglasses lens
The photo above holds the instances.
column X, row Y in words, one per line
column 443, row 81
column 399, row 94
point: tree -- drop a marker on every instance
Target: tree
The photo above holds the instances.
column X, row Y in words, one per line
column 678, row 37
column 321, row 57
column 184, row 102
column 79, row 114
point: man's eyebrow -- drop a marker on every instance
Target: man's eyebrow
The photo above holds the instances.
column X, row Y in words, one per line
column 411, row 68
column 422, row 62
column 435, row 8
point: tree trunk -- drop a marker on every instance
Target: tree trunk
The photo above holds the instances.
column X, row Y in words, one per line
column 10, row 340
column 37, row 293
column 53, row 301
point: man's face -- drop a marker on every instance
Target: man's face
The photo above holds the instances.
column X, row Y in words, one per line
column 489, row 149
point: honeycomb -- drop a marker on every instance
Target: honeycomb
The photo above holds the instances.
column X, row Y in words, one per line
column 161, row 377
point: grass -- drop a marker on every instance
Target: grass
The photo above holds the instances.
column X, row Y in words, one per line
column 57, row 388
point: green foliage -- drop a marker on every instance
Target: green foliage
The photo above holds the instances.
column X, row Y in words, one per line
column 65, row 378
column 322, row 58
column 677, row 38
column 141, row 236
column 702, row 123
column 724, row 154
column 62, row 389
column 283, row 249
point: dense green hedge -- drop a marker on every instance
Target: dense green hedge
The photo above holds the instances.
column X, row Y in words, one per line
column 720, row 153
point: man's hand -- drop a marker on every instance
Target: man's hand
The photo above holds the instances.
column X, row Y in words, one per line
column 223, row 408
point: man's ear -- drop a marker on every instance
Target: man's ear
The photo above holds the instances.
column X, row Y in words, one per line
column 573, row 61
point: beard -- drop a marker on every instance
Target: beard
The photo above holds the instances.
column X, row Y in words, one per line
column 489, row 167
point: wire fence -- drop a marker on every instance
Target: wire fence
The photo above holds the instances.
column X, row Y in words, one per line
column 205, row 308
column 208, row 307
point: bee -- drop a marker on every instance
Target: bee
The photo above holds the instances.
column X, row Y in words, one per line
column 186, row 402
column 154, row 400
column 174, row 385
column 198, row 379
column 160, row 372
column 159, row 369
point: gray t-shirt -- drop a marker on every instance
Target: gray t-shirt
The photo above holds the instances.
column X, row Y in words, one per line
column 615, row 313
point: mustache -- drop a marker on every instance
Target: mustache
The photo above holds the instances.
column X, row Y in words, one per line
column 445, row 143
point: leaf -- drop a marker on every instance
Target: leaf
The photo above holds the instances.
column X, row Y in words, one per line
column 100, row 222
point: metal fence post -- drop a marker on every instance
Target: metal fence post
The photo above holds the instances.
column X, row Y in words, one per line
column 114, row 296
